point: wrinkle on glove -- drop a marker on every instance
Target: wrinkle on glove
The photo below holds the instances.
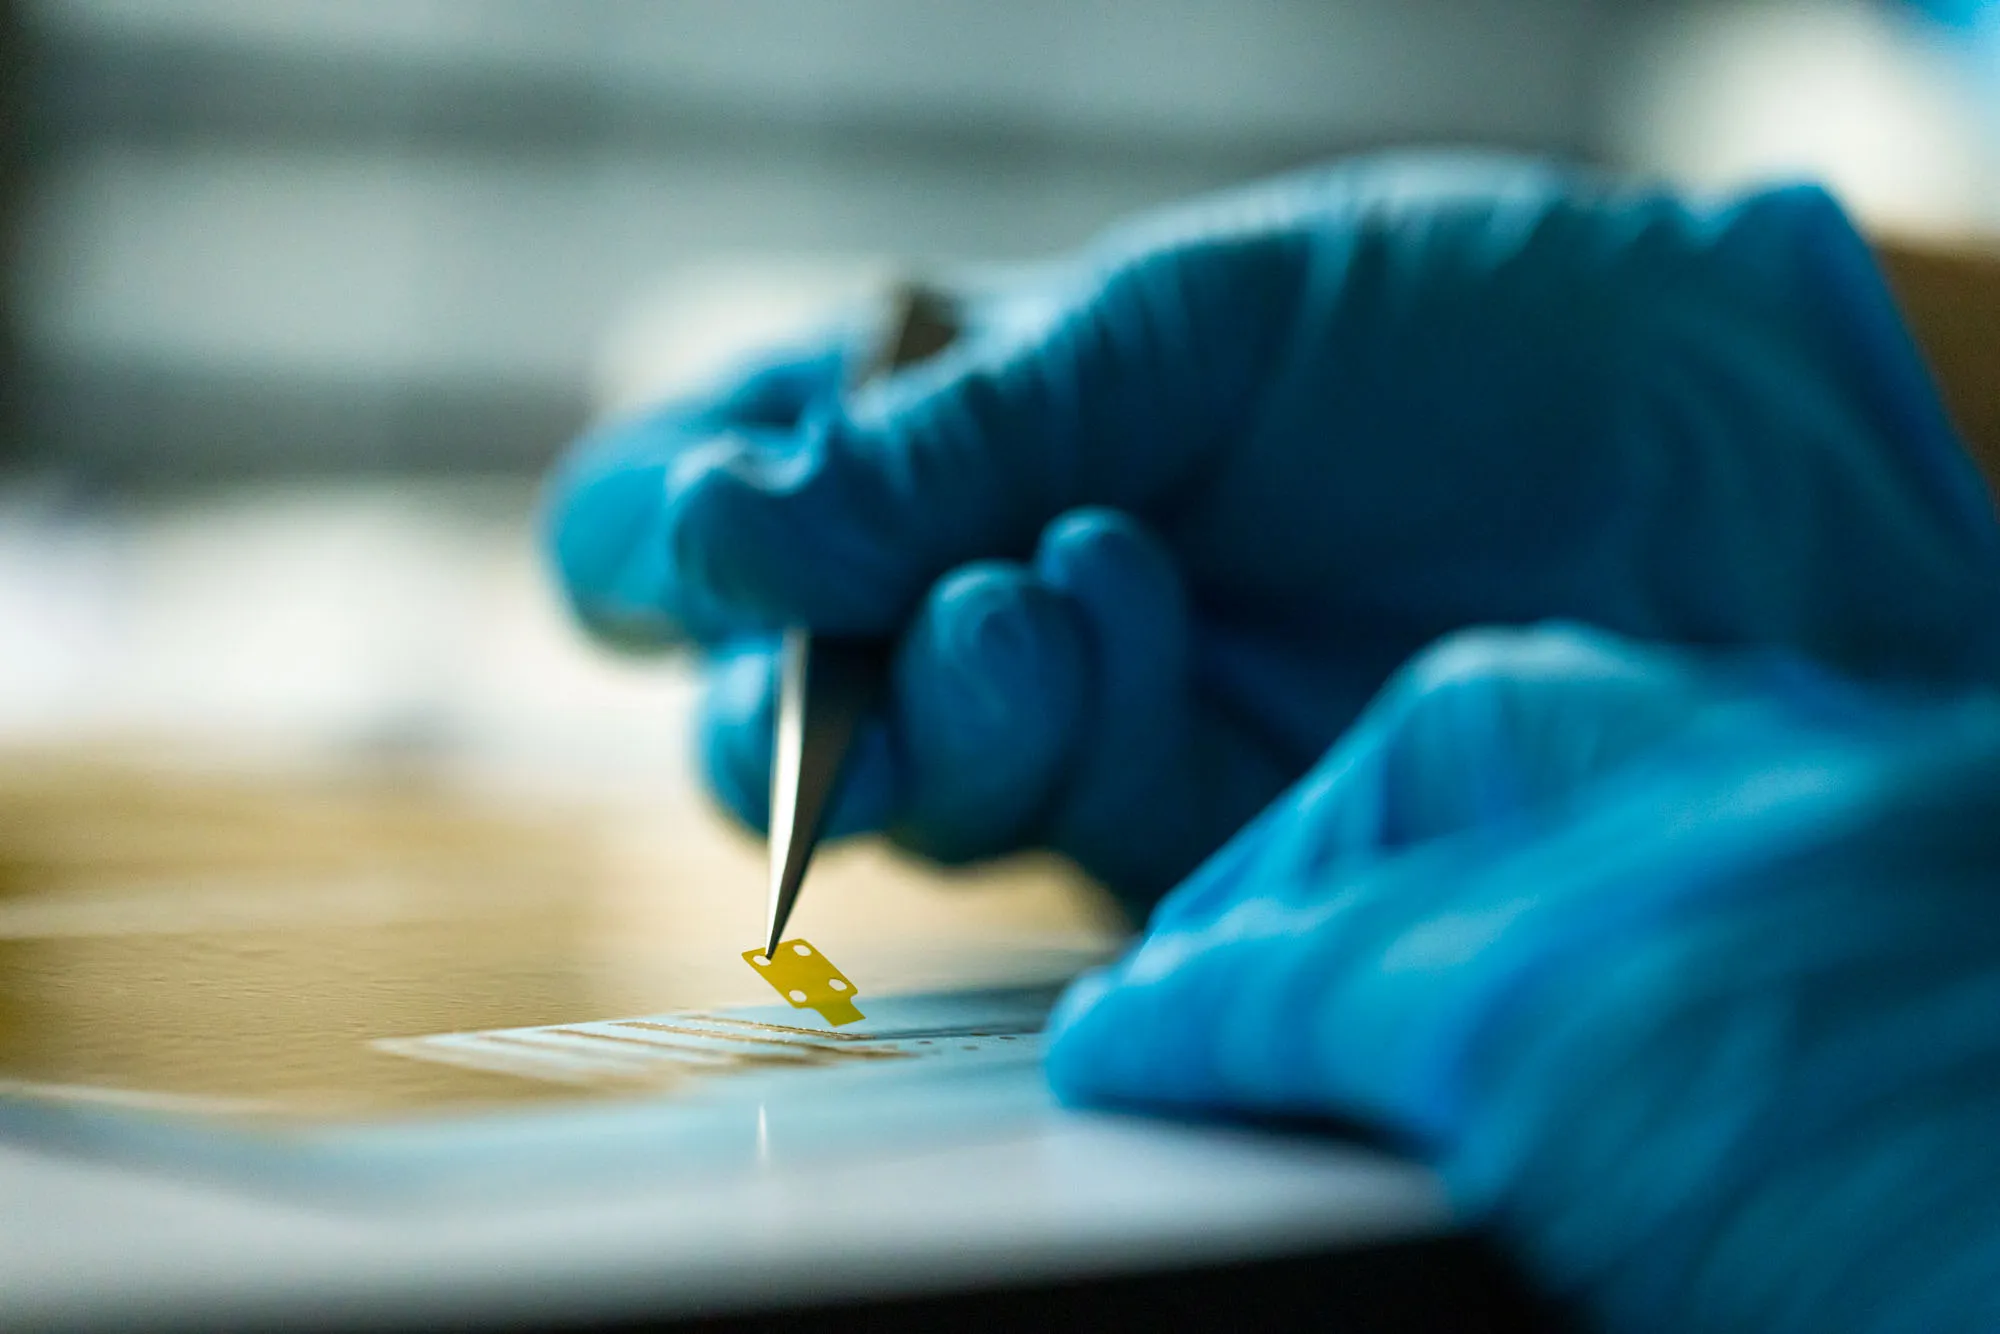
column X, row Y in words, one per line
column 1339, row 415
column 1686, row 976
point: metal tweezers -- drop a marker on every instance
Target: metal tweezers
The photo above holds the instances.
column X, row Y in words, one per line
column 827, row 685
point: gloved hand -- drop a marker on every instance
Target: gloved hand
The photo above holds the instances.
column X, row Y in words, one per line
column 1167, row 517
column 1686, row 977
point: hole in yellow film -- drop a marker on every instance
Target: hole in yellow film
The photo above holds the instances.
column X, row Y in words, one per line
column 808, row 981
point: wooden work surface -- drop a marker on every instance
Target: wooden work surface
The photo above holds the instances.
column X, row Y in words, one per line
column 195, row 935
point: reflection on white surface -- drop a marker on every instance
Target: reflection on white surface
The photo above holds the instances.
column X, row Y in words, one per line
column 1076, row 1196
column 789, row 1186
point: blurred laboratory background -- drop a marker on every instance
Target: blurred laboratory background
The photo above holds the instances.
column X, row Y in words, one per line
column 301, row 296
column 286, row 237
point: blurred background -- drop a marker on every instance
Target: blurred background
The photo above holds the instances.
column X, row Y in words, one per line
column 344, row 274
column 277, row 237
column 301, row 295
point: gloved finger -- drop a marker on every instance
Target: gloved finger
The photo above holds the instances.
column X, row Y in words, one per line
column 1027, row 705
column 604, row 511
column 986, row 695
column 990, row 688
column 1114, row 400
column 733, row 731
column 1157, row 782
column 1228, row 1016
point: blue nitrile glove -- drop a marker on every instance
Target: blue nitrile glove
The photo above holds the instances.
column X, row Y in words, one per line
column 1171, row 513
column 1958, row 13
column 1686, row 976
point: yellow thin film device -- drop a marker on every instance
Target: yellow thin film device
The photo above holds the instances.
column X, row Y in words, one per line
column 808, row 980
